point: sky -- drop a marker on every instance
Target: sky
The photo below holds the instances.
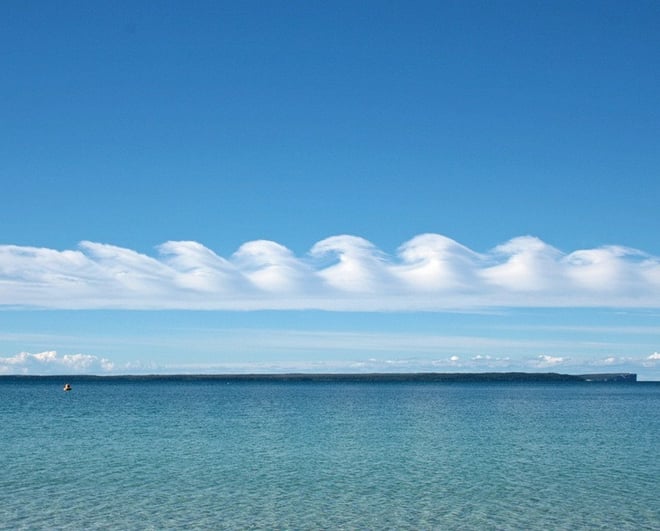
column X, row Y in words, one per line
column 199, row 187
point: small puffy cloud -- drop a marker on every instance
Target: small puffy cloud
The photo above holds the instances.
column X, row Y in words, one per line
column 346, row 273
column 545, row 360
column 50, row 363
column 653, row 360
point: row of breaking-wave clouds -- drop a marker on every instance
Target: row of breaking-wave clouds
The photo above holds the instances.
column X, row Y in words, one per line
column 344, row 273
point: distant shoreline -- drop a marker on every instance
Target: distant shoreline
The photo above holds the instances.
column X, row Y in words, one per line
column 504, row 377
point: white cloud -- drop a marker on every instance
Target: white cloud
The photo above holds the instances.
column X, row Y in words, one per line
column 272, row 268
column 361, row 268
column 525, row 264
column 652, row 360
column 432, row 262
column 196, row 268
column 49, row 362
column 479, row 363
column 429, row 272
column 545, row 360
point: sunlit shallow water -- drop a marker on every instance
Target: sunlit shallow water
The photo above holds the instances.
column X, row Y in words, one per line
column 313, row 455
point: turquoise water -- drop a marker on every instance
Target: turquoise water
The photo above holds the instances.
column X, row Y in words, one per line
column 310, row 455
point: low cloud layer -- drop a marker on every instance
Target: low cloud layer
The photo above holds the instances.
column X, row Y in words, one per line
column 344, row 273
column 50, row 363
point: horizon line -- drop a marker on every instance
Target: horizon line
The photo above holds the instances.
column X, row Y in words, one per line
column 426, row 376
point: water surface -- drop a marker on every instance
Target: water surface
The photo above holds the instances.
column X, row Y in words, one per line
column 332, row 455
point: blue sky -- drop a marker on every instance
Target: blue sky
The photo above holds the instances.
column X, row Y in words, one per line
column 210, row 186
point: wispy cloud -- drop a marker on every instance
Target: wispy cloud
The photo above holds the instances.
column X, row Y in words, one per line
column 345, row 273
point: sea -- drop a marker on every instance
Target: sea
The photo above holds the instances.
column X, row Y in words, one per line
column 189, row 453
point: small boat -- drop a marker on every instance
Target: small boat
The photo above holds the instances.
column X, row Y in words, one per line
column 67, row 387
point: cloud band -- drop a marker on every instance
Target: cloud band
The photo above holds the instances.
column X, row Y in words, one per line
column 344, row 273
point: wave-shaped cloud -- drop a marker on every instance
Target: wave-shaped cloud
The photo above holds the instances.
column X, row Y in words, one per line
column 347, row 273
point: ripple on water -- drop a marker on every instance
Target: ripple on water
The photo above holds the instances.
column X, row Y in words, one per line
column 330, row 456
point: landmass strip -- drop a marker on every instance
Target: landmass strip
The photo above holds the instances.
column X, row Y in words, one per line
column 547, row 377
